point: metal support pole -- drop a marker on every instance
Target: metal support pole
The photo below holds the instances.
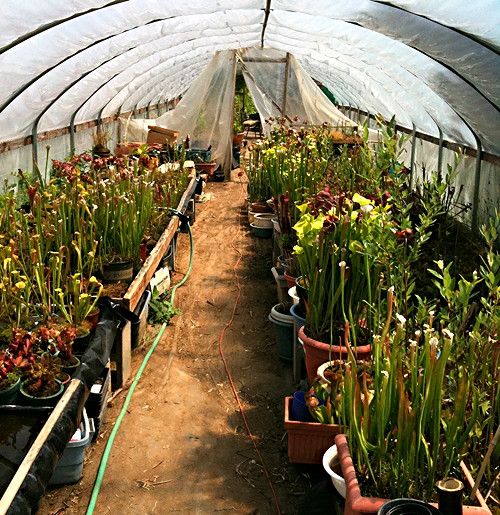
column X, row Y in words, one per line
column 34, row 142
column 99, row 116
column 285, row 87
column 350, row 112
column 118, row 127
column 477, row 184
column 412, row 159
column 72, row 134
column 440, row 154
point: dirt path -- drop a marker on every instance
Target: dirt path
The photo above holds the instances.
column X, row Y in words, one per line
column 183, row 446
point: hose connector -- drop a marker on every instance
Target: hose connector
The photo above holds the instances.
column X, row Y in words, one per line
column 183, row 219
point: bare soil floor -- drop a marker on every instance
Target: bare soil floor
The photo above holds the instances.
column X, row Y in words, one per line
column 183, row 446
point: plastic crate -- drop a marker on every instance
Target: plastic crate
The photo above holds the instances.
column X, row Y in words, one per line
column 69, row 468
column 97, row 402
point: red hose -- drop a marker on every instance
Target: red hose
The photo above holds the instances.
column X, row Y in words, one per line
column 235, row 392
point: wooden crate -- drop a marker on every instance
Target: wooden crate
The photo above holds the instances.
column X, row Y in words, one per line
column 161, row 135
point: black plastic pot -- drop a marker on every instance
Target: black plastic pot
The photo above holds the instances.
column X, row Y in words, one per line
column 119, row 271
column 199, row 186
column 407, row 507
column 80, row 343
column 301, row 293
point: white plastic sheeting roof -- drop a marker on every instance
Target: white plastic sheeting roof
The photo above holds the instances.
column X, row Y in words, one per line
column 431, row 63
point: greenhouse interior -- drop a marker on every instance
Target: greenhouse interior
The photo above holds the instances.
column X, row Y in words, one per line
column 225, row 355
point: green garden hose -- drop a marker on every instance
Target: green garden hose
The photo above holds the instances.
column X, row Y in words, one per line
column 107, row 450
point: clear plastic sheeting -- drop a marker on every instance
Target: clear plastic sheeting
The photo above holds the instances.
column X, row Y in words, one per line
column 205, row 112
column 433, row 64
column 280, row 88
column 464, row 17
column 390, row 61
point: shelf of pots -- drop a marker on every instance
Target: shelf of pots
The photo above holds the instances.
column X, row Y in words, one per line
column 90, row 209
column 140, row 221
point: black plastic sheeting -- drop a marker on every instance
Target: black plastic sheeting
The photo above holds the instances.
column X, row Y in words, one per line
column 93, row 361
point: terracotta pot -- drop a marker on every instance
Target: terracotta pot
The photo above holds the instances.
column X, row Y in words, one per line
column 317, row 353
column 356, row 504
column 258, row 207
column 290, row 279
column 208, row 168
column 307, row 441
column 93, row 318
column 238, row 139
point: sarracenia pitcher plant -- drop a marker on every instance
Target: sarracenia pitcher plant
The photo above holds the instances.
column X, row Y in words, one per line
column 421, row 414
column 338, row 261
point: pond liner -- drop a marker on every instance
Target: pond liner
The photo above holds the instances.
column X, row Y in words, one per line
column 96, row 355
column 93, row 361
column 44, row 464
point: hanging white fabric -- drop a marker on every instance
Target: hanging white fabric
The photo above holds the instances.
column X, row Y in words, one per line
column 280, row 88
column 205, row 112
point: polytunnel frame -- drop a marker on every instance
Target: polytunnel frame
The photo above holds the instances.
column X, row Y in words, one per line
column 479, row 152
column 266, row 17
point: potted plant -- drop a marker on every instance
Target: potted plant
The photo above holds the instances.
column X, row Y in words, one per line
column 420, row 417
column 307, row 441
column 338, row 261
column 100, row 142
column 58, row 340
column 9, row 380
column 41, row 388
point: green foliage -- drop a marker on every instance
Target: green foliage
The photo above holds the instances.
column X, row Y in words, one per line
column 161, row 309
column 243, row 104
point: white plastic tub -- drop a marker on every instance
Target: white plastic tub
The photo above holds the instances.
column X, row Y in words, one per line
column 331, row 460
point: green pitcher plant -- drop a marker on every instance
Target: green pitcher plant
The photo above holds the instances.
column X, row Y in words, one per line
column 337, row 254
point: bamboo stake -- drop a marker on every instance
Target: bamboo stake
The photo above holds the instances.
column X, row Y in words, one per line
column 486, row 460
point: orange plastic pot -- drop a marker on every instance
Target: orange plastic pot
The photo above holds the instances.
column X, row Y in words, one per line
column 308, row 441
column 356, row 504
column 317, row 353
column 290, row 280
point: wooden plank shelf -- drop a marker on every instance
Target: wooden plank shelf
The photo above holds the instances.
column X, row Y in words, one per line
column 121, row 355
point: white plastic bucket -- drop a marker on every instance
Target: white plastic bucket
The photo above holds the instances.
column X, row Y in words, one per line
column 292, row 293
column 264, row 220
column 330, row 459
